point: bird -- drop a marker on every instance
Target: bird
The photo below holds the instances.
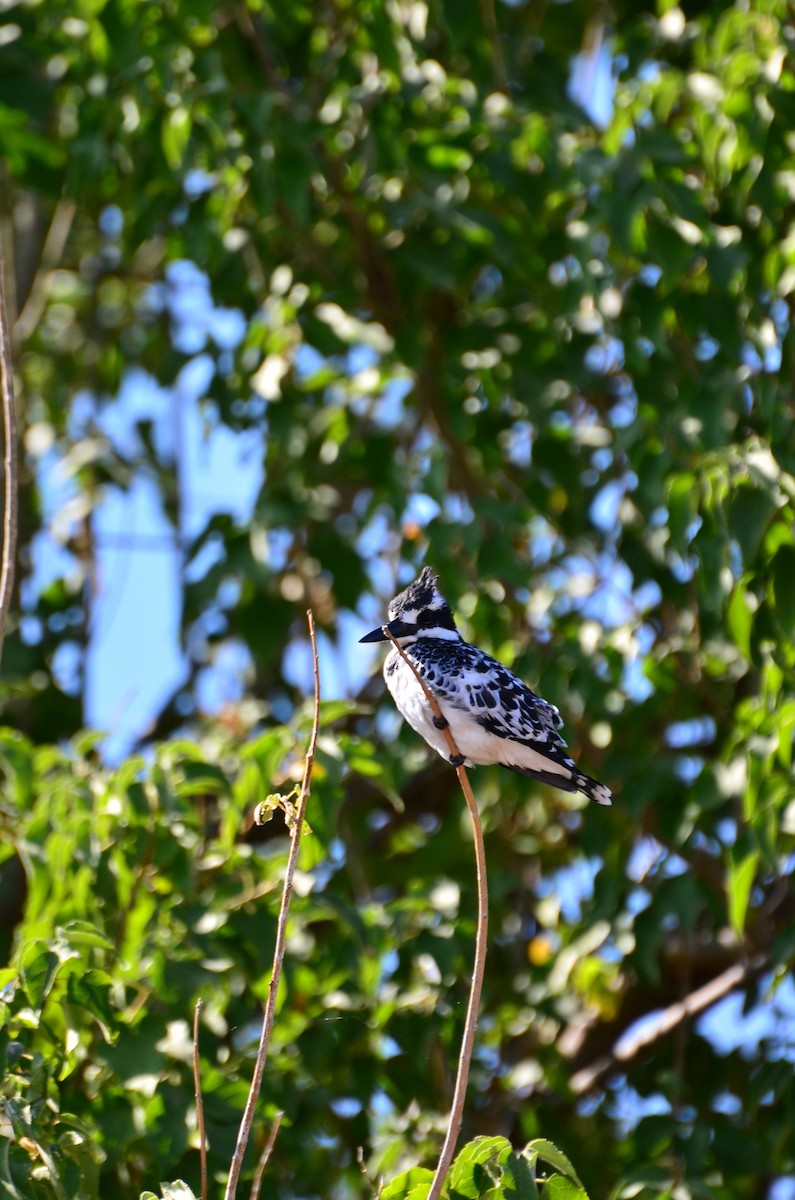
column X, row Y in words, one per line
column 492, row 715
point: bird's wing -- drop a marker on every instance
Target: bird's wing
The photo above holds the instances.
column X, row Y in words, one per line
column 498, row 700
column 465, row 678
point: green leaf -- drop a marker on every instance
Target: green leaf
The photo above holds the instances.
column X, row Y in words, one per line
column 638, row 1181
column 365, row 766
column 175, row 135
column 89, row 740
column 178, row 1190
column 84, row 935
column 559, row 1187
column 741, row 878
column 8, row 1188
column 448, row 158
column 311, row 852
column 682, row 507
column 334, row 710
column 552, row 1155
column 740, row 619
column 92, row 991
column 518, row 1180
column 750, row 511
column 411, row 1185
column 468, row 1174
column 38, row 968
column 783, row 572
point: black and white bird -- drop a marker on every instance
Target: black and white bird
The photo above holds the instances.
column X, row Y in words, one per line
column 493, row 717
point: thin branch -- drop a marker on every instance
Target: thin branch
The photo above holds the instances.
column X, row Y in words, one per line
column 629, row 1048
column 365, row 1174
column 255, row 36
column 9, row 463
column 488, row 16
column 281, row 934
column 51, row 255
column 263, row 1158
column 481, row 943
column 197, row 1091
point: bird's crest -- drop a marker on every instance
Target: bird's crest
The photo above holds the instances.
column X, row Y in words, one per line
column 421, row 595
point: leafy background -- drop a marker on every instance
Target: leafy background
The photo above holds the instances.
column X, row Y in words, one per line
column 431, row 308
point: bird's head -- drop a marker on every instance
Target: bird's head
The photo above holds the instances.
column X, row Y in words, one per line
column 420, row 611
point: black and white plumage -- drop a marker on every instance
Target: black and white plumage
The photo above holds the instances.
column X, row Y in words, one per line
column 493, row 717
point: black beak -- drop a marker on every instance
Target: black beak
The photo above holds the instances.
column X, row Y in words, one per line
column 375, row 635
column 396, row 628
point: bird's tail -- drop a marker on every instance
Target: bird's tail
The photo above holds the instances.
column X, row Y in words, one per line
column 592, row 788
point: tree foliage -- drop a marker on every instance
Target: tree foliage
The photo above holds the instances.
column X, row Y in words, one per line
column 464, row 321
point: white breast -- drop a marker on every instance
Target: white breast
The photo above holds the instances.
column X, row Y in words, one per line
column 412, row 702
column 476, row 744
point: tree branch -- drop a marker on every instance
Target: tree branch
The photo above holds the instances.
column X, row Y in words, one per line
column 10, row 483
column 263, row 1158
column 51, row 255
column 628, row 1048
column 281, row 934
column 488, row 16
column 481, row 944
column 683, row 968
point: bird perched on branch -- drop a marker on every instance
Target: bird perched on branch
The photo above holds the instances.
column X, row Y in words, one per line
column 493, row 717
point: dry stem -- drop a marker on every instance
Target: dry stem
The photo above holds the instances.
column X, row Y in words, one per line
column 281, row 933
column 481, row 941
column 51, row 255
column 9, row 463
column 197, row 1091
column 263, row 1158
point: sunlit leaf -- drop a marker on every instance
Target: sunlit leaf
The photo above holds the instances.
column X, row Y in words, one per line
column 411, row 1185
column 549, row 1152
column 741, row 878
column 559, row 1187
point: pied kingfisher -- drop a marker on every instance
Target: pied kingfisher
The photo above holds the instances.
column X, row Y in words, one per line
column 492, row 716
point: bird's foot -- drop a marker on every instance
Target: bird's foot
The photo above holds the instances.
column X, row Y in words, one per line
column 457, row 760
column 441, row 722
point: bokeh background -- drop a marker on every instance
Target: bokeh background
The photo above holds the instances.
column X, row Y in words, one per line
column 305, row 296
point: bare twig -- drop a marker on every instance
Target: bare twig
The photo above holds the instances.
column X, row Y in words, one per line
column 51, row 255
column 197, row 1091
column 481, row 942
column 281, row 933
column 488, row 16
column 263, row 1158
column 9, row 463
column 366, row 1176
column 629, row 1047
